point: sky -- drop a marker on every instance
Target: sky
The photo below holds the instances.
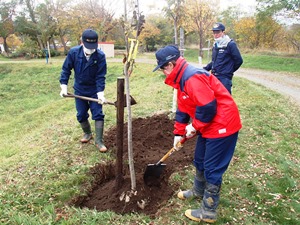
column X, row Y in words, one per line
column 245, row 5
column 155, row 6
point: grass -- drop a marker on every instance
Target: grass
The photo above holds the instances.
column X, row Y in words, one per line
column 263, row 61
column 272, row 63
column 42, row 165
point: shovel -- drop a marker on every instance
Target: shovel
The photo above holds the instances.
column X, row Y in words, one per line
column 132, row 101
column 153, row 171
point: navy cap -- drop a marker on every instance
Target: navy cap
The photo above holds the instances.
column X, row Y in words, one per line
column 218, row 26
column 165, row 55
column 90, row 39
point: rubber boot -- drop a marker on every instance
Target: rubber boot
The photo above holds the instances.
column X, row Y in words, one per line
column 207, row 211
column 99, row 126
column 86, row 127
column 198, row 187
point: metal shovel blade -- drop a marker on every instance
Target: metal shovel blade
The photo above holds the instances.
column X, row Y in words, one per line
column 153, row 172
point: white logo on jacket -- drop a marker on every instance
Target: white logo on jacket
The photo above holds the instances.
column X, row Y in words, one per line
column 222, row 131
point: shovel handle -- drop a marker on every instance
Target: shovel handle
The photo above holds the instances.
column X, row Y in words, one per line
column 87, row 98
column 172, row 150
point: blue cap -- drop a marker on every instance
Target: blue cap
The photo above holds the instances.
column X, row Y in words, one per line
column 90, row 39
column 165, row 55
column 218, row 26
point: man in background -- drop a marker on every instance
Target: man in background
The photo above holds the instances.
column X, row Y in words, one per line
column 226, row 57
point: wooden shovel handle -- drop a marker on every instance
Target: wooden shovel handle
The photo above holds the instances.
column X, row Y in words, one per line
column 87, row 98
column 172, row 150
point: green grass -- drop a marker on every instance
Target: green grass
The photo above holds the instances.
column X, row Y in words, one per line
column 42, row 165
column 272, row 63
column 263, row 61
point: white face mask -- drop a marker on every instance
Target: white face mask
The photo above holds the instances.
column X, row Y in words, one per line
column 88, row 51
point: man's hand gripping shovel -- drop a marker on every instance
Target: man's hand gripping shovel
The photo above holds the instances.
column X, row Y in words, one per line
column 153, row 171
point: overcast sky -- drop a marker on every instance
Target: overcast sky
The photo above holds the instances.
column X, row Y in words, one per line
column 148, row 6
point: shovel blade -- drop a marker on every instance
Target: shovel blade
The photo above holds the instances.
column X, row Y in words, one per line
column 153, row 172
column 132, row 101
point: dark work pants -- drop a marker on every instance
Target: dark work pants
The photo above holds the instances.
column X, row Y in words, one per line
column 213, row 155
column 226, row 82
column 83, row 106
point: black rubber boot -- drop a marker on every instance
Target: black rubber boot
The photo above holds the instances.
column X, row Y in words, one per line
column 99, row 127
column 86, row 127
column 198, row 187
column 207, row 211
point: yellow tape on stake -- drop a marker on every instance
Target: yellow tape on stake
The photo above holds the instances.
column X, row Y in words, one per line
column 133, row 49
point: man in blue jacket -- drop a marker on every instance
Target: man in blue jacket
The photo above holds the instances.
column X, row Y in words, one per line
column 89, row 65
column 226, row 57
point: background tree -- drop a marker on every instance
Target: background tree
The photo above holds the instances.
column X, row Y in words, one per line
column 13, row 42
column 150, row 36
column 293, row 37
column 166, row 28
column 29, row 6
column 63, row 19
column 100, row 17
column 286, row 12
column 175, row 11
column 245, row 32
column 200, row 17
column 46, row 25
column 230, row 17
column 267, row 29
column 6, row 22
column 283, row 8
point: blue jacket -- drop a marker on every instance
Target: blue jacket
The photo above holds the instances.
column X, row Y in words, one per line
column 89, row 76
column 225, row 61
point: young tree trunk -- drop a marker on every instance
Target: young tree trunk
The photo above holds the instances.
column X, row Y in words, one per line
column 6, row 50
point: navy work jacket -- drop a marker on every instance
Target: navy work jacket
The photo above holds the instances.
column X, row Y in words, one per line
column 225, row 61
column 89, row 76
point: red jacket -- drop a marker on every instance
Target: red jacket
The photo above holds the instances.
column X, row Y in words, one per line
column 202, row 98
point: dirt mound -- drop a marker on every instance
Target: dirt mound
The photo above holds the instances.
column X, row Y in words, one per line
column 152, row 138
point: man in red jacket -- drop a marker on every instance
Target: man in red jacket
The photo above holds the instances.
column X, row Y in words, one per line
column 204, row 107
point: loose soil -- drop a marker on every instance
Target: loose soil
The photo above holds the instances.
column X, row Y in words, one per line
column 152, row 138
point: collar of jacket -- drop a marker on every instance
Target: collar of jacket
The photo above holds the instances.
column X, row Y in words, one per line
column 173, row 79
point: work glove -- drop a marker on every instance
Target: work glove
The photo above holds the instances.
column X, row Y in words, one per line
column 101, row 97
column 64, row 90
column 177, row 145
column 190, row 131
